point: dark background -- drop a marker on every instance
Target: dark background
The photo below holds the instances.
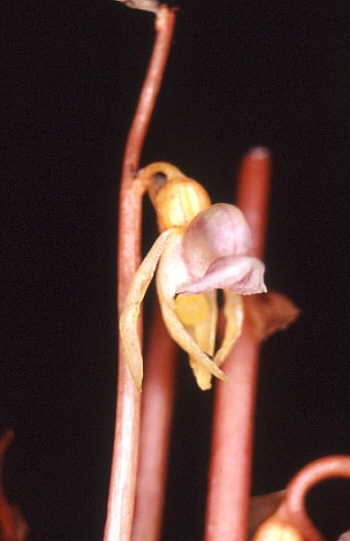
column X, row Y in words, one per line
column 239, row 74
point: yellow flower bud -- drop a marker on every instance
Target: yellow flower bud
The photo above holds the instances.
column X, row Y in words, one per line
column 177, row 199
column 274, row 529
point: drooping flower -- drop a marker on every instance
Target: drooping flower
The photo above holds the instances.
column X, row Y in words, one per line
column 201, row 248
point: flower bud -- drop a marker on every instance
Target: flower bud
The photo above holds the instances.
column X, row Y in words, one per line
column 274, row 529
column 176, row 198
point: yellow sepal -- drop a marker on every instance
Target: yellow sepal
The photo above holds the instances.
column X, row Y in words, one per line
column 131, row 309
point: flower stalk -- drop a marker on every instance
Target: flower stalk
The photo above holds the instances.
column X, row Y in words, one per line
column 319, row 470
column 120, row 509
column 290, row 521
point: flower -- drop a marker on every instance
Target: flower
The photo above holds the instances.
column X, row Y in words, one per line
column 201, row 248
column 278, row 530
column 216, row 248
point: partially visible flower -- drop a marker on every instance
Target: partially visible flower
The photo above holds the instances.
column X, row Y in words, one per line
column 201, row 248
column 275, row 529
column 261, row 508
column 270, row 312
column 345, row 536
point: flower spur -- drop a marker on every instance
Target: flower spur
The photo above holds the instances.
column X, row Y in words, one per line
column 201, row 248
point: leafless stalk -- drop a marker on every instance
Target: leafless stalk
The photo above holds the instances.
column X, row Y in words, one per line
column 126, row 442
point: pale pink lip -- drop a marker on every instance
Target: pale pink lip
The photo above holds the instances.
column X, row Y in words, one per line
column 216, row 251
column 241, row 274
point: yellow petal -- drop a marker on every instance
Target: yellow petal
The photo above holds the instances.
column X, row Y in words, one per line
column 131, row 309
column 178, row 332
column 234, row 314
column 202, row 329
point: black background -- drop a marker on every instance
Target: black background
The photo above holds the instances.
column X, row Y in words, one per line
column 239, row 74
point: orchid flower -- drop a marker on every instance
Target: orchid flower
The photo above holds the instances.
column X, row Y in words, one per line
column 201, row 248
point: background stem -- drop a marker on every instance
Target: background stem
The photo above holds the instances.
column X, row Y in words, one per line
column 230, row 467
column 157, row 414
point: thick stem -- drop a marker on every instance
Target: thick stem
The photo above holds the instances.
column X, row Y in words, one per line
column 122, row 489
column 319, row 470
column 230, row 468
column 157, row 412
column 253, row 194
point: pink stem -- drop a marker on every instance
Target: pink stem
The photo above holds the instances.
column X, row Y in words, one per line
column 157, row 412
column 294, row 504
column 230, row 468
column 122, row 489
column 253, row 194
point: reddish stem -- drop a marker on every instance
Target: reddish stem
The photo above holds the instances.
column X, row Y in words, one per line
column 7, row 523
column 13, row 527
column 253, row 194
column 121, row 498
column 230, row 468
column 293, row 506
column 157, row 412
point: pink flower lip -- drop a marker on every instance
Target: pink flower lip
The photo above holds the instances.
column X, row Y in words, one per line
column 239, row 273
column 221, row 230
column 216, row 249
